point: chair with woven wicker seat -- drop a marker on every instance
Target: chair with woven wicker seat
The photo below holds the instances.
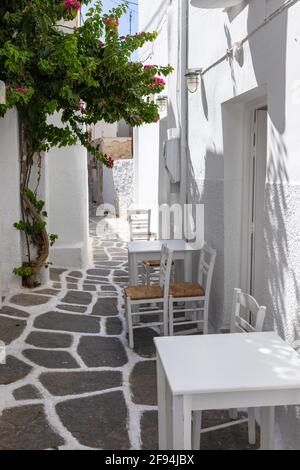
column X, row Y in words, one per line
column 138, row 299
column 140, row 229
column 139, row 224
column 150, row 271
column 191, row 294
column 249, row 322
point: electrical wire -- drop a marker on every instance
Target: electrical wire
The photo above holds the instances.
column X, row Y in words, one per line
column 267, row 20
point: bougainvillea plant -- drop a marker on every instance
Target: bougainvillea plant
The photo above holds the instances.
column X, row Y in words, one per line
column 84, row 74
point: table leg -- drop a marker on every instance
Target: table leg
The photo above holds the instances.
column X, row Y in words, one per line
column 135, row 271
column 188, row 278
column 188, row 267
column 133, row 280
column 130, row 269
column 182, row 423
column 162, row 406
column 267, row 428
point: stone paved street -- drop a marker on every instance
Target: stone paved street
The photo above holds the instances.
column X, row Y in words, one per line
column 70, row 381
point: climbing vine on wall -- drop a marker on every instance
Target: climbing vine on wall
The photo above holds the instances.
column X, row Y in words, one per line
column 85, row 74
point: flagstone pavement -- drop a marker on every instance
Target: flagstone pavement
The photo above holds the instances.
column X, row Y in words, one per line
column 70, row 381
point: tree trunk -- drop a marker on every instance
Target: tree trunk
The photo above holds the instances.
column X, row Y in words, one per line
column 36, row 242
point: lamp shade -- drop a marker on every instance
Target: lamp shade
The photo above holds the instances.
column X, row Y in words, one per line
column 193, row 80
column 162, row 103
column 215, row 3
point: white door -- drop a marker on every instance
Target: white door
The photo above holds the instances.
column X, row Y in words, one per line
column 257, row 202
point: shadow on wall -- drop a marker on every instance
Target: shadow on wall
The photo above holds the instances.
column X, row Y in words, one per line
column 210, row 192
column 163, row 178
column 277, row 257
column 281, row 279
column 157, row 17
column 232, row 13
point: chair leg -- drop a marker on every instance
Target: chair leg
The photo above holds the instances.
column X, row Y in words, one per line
column 195, row 314
column 251, row 426
column 205, row 324
column 148, row 275
column 130, row 326
column 161, row 318
column 143, row 274
column 126, row 316
column 196, row 432
column 171, row 317
column 165, row 319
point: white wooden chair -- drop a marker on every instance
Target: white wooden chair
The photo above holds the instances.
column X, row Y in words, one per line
column 138, row 299
column 185, row 296
column 139, row 224
column 251, row 321
column 140, row 229
column 150, row 271
column 296, row 346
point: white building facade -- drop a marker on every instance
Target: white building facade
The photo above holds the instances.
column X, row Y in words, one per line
column 239, row 148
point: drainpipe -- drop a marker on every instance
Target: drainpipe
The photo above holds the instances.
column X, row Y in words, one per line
column 183, row 38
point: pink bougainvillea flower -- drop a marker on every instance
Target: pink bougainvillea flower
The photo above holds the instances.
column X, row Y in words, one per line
column 112, row 21
column 81, row 105
column 21, row 90
column 72, row 4
column 150, row 69
column 137, row 118
column 110, row 162
column 159, row 81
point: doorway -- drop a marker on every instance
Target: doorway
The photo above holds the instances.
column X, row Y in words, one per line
column 256, row 202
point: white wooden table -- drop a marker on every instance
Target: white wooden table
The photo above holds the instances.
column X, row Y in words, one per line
column 221, row 372
column 140, row 250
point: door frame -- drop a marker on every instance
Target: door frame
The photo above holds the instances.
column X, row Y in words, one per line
column 247, row 179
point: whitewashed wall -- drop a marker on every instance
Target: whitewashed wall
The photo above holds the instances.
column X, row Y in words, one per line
column 10, row 245
column 104, row 129
column 68, row 205
column 148, row 139
column 67, row 187
column 67, row 182
column 123, row 183
column 269, row 69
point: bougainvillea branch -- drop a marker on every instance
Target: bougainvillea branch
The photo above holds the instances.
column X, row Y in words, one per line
column 84, row 75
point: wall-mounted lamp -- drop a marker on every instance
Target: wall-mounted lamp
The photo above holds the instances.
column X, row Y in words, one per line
column 2, row 93
column 193, row 77
column 237, row 50
column 162, row 103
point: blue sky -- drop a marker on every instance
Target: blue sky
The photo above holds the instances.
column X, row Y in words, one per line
column 125, row 21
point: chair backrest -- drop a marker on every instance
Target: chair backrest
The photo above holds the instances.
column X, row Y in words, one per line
column 139, row 223
column 206, row 267
column 165, row 269
column 254, row 315
column 296, row 346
